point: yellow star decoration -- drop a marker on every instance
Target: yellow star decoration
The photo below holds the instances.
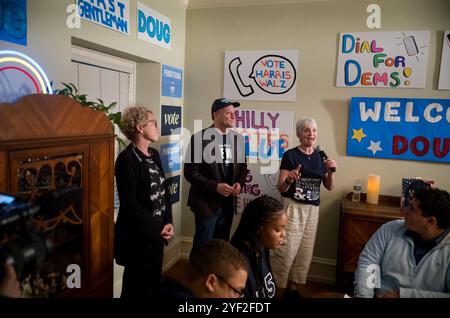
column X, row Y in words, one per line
column 358, row 134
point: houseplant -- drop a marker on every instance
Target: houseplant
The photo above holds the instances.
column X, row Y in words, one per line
column 115, row 117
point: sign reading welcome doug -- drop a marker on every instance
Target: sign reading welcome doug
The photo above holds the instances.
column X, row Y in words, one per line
column 153, row 27
column 112, row 14
column 399, row 128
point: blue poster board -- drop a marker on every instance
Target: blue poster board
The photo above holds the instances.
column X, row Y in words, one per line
column 174, row 187
column 172, row 81
column 171, row 157
column 170, row 120
column 13, row 21
column 399, row 128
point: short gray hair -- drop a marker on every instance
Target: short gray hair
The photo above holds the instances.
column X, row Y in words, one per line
column 304, row 122
column 133, row 117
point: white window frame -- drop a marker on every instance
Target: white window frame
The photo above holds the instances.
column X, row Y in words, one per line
column 99, row 59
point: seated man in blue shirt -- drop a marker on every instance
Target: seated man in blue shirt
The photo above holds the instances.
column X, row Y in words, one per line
column 409, row 258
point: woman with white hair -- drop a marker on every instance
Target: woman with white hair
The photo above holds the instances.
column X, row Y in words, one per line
column 302, row 171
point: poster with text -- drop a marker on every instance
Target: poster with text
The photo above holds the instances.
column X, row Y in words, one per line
column 399, row 128
column 257, row 184
column 444, row 73
column 13, row 21
column 267, row 133
column 170, row 120
column 111, row 14
column 383, row 59
column 172, row 81
column 171, row 157
column 173, row 184
column 153, row 27
column 260, row 75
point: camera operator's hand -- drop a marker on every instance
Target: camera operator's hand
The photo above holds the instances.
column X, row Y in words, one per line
column 9, row 285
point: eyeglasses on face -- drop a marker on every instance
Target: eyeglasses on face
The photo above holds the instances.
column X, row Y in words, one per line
column 153, row 121
column 238, row 292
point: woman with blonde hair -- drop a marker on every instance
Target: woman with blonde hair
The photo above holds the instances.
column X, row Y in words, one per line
column 144, row 223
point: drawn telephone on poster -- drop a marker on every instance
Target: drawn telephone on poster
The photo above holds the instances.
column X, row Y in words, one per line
column 244, row 90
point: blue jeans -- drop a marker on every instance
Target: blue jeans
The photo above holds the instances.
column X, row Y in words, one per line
column 217, row 226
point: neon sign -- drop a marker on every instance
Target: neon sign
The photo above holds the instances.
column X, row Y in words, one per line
column 18, row 65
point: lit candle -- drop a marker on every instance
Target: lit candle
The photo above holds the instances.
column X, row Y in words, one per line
column 373, row 188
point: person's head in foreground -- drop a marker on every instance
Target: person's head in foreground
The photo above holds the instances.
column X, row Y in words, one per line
column 217, row 270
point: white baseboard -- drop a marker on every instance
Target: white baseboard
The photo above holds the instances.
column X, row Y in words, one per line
column 322, row 269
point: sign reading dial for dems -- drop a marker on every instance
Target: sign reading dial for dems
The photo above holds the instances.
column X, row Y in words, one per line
column 174, row 187
column 260, row 75
column 383, row 59
column 444, row 73
column 13, row 21
column 172, row 81
column 112, row 14
column 171, row 157
column 170, row 120
column 399, row 128
column 153, row 27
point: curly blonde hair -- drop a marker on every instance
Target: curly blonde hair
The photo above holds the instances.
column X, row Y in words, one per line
column 133, row 117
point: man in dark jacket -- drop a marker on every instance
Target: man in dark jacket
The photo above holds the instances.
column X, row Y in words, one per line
column 215, row 166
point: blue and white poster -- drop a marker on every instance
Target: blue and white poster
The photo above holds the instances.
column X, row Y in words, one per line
column 174, row 188
column 399, row 128
column 13, row 21
column 112, row 14
column 170, row 120
column 172, row 81
column 171, row 157
column 153, row 27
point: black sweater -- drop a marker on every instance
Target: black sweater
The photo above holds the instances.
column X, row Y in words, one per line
column 137, row 229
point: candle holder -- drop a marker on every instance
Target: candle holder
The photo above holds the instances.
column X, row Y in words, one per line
column 373, row 188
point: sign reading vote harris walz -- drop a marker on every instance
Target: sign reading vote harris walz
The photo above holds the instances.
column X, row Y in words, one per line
column 383, row 59
column 153, row 27
column 260, row 75
column 170, row 120
column 399, row 128
column 112, row 14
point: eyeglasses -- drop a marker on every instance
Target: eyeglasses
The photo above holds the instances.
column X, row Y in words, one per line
column 153, row 121
column 238, row 292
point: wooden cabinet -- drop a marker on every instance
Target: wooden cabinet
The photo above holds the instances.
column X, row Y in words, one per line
column 359, row 220
column 49, row 143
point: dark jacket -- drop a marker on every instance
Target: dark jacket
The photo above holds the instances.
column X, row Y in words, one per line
column 204, row 176
column 137, row 231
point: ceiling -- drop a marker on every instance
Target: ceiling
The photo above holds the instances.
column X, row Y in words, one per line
column 200, row 4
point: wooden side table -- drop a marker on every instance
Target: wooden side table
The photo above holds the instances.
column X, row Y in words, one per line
column 359, row 220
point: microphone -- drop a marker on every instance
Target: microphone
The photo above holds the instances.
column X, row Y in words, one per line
column 324, row 155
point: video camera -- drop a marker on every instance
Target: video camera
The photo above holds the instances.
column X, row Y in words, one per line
column 20, row 245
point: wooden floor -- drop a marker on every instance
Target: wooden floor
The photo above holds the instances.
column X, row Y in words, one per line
column 306, row 291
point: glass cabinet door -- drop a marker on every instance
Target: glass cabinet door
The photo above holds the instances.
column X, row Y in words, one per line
column 52, row 178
